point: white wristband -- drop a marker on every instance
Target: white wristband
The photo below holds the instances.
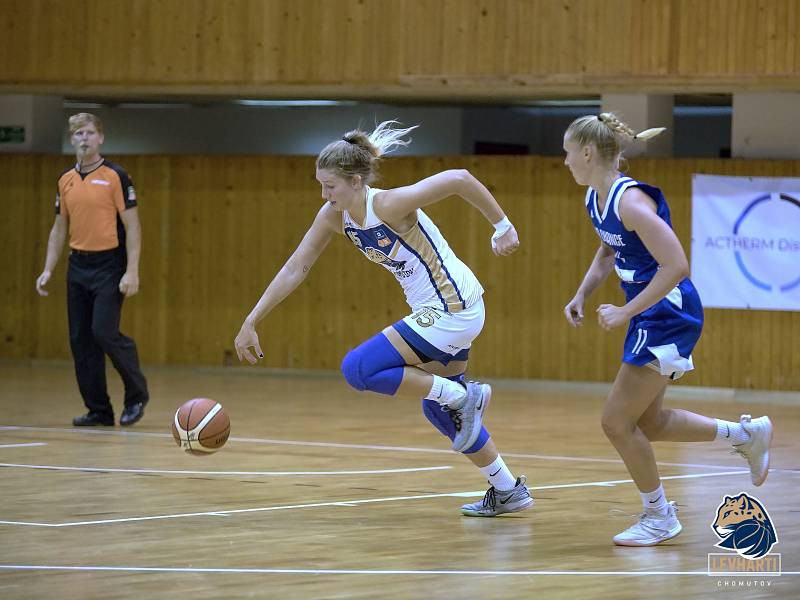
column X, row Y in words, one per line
column 501, row 227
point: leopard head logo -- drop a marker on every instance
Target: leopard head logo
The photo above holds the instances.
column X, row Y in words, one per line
column 743, row 525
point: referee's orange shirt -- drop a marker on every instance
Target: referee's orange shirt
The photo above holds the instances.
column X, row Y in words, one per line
column 92, row 203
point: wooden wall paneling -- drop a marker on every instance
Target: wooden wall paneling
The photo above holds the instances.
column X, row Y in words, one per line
column 147, row 312
column 416, row 48
column 217, row 229
column 16, row 323
column 52, row 340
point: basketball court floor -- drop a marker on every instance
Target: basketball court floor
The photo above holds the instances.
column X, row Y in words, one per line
column 322, row 492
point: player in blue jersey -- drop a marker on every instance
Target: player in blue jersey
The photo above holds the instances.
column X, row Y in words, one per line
column 425, row 354
column 664, row 316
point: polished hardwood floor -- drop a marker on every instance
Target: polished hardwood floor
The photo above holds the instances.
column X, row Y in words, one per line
column 322, row 492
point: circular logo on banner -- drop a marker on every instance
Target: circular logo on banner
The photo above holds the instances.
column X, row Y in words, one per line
column 782, row 225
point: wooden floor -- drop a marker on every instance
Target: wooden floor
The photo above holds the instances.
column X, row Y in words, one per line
column 325, row 493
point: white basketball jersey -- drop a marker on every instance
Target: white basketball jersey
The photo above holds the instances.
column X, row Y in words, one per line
column 421, row 260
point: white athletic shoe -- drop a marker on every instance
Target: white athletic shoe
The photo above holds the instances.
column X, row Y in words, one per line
column 651, row 529
column 756, row 449
column 468, row 417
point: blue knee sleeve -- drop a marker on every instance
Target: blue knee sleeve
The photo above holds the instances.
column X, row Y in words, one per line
column 442, row 421
column 375, row 365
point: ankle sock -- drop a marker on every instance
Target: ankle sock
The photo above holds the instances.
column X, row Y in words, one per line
column 446, row 392
column 655, row 501
column 731, row 433
column 499, row 475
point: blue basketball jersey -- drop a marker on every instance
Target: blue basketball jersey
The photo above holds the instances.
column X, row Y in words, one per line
column 664, row 335
column 632, row 260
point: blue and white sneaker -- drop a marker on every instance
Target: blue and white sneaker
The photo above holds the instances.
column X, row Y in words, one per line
column 468, row 418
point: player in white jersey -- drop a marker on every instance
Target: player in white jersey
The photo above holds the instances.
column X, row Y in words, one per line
column 664, row 317
column 425, row 354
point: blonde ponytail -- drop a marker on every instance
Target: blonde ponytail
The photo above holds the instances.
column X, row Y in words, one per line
column 649, row 133
column 385, row 138
column 605, row 131
column 358, row 152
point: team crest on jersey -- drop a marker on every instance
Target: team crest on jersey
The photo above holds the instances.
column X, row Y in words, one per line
column 131, row 193
column 744, row 526
column 383, row 240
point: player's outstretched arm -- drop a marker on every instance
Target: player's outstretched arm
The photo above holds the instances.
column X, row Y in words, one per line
column 291, row 275
column 394, row 205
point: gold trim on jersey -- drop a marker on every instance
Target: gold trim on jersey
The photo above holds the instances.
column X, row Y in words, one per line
column 427, row 253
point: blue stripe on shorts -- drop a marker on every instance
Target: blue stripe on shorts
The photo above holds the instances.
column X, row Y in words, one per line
column 426, row 351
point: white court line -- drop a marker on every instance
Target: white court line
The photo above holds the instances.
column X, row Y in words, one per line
column 352, row 502
column 359, row 446
column 216, row 473
column 23, row 445
column 349, row 571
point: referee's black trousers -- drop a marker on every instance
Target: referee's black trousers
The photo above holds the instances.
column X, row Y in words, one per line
column 94, row 305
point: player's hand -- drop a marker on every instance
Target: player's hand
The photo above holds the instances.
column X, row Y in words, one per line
column 505, row 244
column 129, row 284
column 610, row 316
column 246, row 339
column 41, row 281
column 574, row 311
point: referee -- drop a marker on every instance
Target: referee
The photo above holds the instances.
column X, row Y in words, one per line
column 96, row 206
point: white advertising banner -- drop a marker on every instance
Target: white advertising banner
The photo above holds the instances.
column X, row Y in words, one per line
column 746, row 241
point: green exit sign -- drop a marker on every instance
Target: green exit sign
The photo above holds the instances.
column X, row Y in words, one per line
column 12, row 135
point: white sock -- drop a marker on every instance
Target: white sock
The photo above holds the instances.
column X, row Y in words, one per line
column 731, row 433
column 655, row 500
column 446, row 392
column 499, row 476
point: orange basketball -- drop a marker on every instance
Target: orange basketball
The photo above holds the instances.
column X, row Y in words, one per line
column 201, row 426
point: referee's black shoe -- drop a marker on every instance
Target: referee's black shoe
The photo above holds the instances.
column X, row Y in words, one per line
column 92, row 418
column 132, row 413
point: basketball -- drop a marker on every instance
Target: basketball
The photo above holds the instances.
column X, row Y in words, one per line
column 201, row 426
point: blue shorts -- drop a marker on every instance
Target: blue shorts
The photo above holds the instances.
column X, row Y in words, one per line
column 664, row 335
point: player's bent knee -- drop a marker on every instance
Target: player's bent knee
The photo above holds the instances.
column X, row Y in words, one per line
column 351, row 369
column 649, row 429
column 615, row 428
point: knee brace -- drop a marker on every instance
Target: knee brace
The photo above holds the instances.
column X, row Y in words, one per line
column 351, row 369
column 442, row 421
column 375, row 365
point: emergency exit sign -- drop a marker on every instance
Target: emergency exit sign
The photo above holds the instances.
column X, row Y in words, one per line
column 12, row 134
